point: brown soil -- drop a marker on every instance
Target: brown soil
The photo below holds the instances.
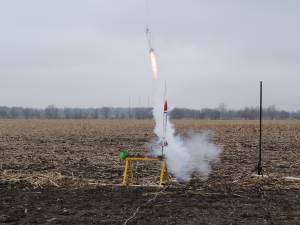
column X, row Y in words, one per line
column 66, row 172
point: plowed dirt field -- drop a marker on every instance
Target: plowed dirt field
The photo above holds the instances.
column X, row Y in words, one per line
column 68, row 172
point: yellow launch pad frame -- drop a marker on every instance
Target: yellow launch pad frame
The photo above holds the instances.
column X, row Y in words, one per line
column 128, row 170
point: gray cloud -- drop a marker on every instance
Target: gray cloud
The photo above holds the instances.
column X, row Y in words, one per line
column 94, row 53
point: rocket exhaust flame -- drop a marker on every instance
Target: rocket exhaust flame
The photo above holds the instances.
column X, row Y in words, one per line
column 153, row 63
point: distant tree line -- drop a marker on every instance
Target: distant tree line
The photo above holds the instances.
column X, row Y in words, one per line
column 52, row 112
column 219, row 113
column 248, row 113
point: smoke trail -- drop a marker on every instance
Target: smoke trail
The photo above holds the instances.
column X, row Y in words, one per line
column 185, row 156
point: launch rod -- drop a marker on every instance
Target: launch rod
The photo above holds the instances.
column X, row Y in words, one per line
column 259, row 165
column 164, row 140
column 164, row 136
column 165, row 118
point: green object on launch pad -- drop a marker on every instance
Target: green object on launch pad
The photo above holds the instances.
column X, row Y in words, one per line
column 123, row 155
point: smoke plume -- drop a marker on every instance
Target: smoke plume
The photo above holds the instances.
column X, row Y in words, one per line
column 185, row 156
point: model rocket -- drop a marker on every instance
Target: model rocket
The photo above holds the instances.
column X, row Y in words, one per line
column 152, row 54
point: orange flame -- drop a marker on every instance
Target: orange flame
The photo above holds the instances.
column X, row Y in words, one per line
column 153, row 63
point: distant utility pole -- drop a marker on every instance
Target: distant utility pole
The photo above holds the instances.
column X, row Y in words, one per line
column 140, row 102
column 129, row 107
column 148, row 102
column 259, row 164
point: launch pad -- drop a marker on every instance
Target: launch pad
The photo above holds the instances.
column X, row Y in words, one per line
column 164, row 179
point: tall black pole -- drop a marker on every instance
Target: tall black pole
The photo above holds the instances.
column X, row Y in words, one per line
column 259, row 165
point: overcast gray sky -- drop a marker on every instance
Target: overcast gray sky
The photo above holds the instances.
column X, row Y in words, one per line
column 92, row 53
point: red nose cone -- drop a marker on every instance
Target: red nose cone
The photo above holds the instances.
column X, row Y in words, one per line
column 166, row 106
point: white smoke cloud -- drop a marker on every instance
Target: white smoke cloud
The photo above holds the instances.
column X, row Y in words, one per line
column 185, row 156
